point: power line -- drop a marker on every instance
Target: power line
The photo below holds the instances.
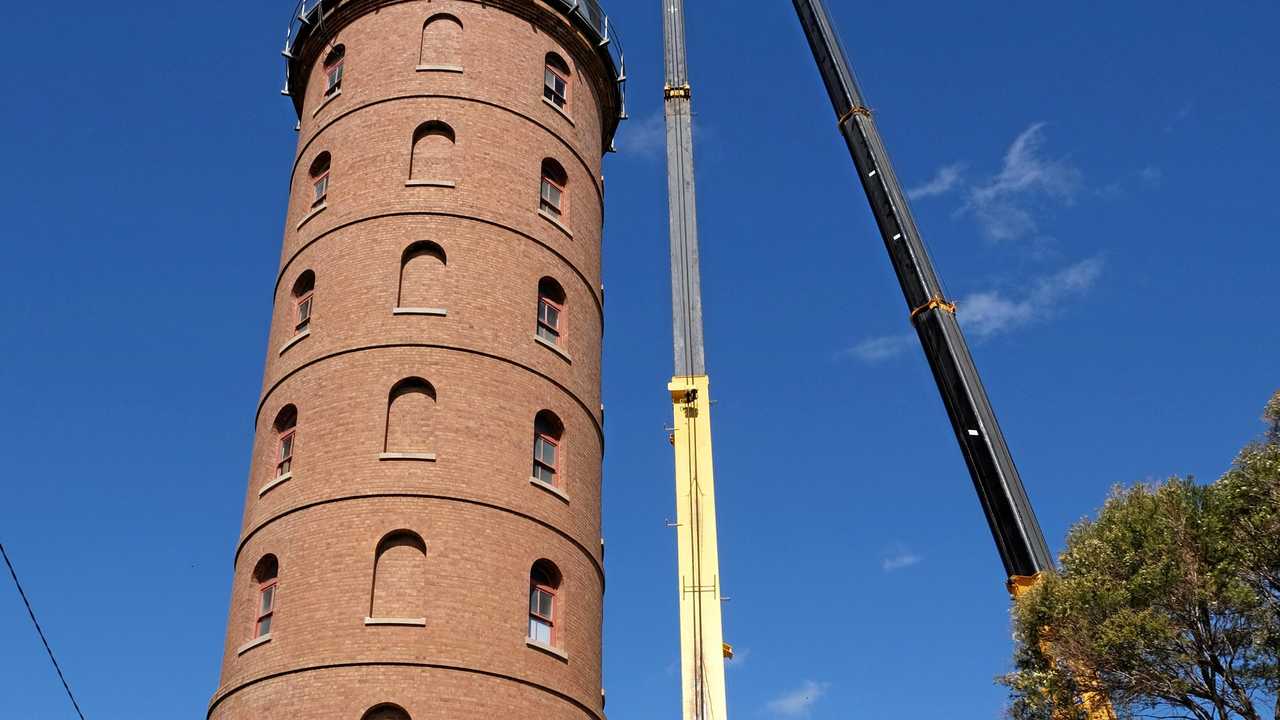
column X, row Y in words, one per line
column 14, row 574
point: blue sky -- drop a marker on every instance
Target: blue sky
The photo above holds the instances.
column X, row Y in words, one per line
column 1096, row 182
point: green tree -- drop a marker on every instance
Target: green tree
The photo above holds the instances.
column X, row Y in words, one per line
column 1168, row 604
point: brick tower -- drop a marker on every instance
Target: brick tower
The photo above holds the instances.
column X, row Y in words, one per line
column 421, row 533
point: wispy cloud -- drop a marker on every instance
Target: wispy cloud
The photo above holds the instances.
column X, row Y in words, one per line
column 944, row 181
column 877, row 349
column 993, row 312
column 1152, row 176
column 990, row 313
column 645, row 137
column 1005, row 205
column 899, row 557
column 797, row 703
column 1178, row 117
column 740, row 658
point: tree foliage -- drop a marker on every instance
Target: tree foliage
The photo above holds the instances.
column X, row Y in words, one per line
column 1168, row 604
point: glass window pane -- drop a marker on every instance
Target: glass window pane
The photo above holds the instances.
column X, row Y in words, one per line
column 268, row 599
column 264, row 626
column 544, row 604
column 539, row 631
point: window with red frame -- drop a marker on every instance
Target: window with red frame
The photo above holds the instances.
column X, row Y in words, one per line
column 266, row 577
column 554, row 181
column 547, row 434
column 544, row 584
column 551, row 311
column 304, row 290
column 555, row 85
column 333, row 66
column 286, row 427
column 320, row 178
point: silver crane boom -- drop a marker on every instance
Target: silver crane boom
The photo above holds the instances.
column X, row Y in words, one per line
column 702, row 646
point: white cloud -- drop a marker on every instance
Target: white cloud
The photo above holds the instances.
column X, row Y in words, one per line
column 943, row 182
column 1152, row 175
column 798, row 702
column 740, row 658
column 1004, row 205
column 899, row 557
column 1178, row 117
column 993, row 312
column 645, row 137
column 990, row 313
column 878, row 349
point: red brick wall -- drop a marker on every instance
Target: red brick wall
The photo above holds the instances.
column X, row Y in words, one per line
column 483, row 523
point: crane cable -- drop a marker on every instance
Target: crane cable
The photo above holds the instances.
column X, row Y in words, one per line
column 39, row 631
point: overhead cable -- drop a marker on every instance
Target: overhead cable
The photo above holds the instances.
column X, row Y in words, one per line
column 39, row 631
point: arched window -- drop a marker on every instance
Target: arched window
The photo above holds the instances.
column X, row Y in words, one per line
column 386, row 711
column 420, row 269
column 266, row 575
column 304, row 290
column 432, row 161
column 544, row 586
column 286, row 427
column 399, row 579
column 548, row 433
column 555, row 85
column 555, row 180
column 551, row 311
column 441, row 44
column 409, row 413
column 320, row 178
column 333, row 65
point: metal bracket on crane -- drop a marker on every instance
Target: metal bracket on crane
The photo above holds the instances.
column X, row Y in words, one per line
column 936, row 301
column 855, row 110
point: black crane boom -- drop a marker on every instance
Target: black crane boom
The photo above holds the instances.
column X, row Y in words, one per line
column 1013, row 523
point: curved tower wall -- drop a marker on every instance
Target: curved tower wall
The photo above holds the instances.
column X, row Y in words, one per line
column 372, row 465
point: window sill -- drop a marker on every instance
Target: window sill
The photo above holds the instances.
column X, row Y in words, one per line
column 552, row 219
column 553, row 652
column 275, row 484
column 549, row 488
column 552, row 347
column 395, row 622
column 328, row 99
column 431, row 183
column 295, row 340
column 418, row 457
column 256, row 642
column 440, row 68
column 434, row 312
column 558, row 109
column 311, row 215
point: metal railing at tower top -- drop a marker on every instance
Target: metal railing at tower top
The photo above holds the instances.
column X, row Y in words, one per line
column 587, row 13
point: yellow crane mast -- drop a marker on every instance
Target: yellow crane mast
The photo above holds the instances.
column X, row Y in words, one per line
column 702, row 646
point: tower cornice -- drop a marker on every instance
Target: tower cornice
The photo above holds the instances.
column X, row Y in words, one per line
column 588, row 35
